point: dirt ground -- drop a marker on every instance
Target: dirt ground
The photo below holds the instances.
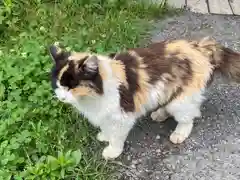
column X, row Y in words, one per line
column 212, row 151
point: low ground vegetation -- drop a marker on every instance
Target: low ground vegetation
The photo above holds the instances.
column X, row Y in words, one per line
column 41, row 138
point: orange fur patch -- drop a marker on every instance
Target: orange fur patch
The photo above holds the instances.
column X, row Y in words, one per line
column 83, row 91
column 118, row 70
column 200, row 65
column 102, row 71
column 140, row 97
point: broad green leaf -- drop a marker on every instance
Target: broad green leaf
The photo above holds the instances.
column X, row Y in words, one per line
column 77, row 155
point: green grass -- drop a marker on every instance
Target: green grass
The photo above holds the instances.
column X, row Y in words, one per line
column 41, row 138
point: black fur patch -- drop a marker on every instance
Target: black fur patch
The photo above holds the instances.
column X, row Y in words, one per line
column 127, row 94
column 154, row 58
column 157, row 63
column 184, row 69
column 55, row 71
column 72, row 78
column 69, row 78
column 60, row 60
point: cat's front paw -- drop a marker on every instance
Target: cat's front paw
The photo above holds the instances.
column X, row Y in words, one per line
column 111, row 152
column 101, row 137
column 178, row 138
column 181, row 132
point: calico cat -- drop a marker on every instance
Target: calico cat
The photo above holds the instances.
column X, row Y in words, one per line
column 114, row 90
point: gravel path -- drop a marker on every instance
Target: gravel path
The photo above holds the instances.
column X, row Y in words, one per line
column 213, row 150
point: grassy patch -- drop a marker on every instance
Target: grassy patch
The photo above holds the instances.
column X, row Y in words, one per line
column 41, row 138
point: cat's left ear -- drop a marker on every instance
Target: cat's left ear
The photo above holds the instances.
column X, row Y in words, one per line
column 57, row 53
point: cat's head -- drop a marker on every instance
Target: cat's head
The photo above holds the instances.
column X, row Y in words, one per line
column 75, row 74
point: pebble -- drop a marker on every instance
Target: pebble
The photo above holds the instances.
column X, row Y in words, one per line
column 128, row 157
column 133, row 166
column 158, row 137
column 135, row 162
column 158, row 150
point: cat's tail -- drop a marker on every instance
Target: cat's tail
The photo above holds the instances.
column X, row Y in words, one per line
column 224, row 60
column 230, row 64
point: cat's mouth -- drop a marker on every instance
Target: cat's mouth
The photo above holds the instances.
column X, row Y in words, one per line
column 62, row 99
column 64, row 96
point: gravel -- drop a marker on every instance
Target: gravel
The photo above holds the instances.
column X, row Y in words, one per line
column 212, row 151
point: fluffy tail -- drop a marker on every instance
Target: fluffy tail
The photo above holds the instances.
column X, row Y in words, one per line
column 230, row 64
column 223, row 59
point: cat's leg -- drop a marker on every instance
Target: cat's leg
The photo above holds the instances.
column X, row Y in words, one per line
column 184, row 112
column 116, row 132
column 181, row 132
column 159, row 115
column 103, row 124
column 102, row 136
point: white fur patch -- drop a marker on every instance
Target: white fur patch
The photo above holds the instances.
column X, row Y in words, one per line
column 63, row 95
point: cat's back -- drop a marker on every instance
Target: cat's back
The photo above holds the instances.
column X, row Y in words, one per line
column 153, row 74
column 182, row 60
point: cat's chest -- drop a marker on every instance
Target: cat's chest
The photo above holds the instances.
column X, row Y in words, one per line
column 97, row 109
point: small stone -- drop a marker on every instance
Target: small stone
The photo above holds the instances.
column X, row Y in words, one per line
column 158, row 137
column 42, row 29
column 134, row 162
column 158, row 150
column 128, row 157
column 133, row 166
column 68, row 48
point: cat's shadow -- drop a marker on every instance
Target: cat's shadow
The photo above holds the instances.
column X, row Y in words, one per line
column 147, row 133
column 147, row 127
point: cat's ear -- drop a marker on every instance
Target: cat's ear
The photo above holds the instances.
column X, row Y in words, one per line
column 91, row 64
column 57, row 53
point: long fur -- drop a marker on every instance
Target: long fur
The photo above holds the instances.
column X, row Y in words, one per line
column 114, row 90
